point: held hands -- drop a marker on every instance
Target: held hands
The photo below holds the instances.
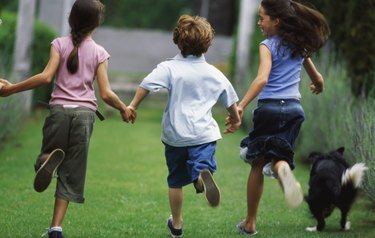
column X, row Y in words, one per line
column 233, row 123
column 4, row 84
column 128, row 115
column 240, row 111
column 133, row 114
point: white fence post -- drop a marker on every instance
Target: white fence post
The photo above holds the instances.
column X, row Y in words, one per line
column 246, row 25
column 22, row 51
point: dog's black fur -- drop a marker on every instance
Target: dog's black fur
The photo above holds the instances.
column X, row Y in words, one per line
column 332, row 184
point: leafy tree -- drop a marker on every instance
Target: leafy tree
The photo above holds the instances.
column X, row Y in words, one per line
column 221, row 14
column 352, row 24
column 7, row 39
column 9, row 5
column 43, row 36
column 160, row 14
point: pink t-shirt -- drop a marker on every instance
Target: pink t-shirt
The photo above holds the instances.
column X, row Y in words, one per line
column 78, row 88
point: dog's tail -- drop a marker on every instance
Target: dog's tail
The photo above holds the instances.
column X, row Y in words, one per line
column 354, row 175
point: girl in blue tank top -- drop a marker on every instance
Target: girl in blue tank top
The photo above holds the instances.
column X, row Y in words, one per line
column 293, row 32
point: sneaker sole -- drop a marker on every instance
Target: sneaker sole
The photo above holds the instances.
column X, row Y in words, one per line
column 292, row 189
column 211, row 190
column 44, row 175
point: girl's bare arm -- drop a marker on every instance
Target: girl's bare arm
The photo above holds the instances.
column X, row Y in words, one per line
column 45, row 77
column 261, row 79
column 317, row 81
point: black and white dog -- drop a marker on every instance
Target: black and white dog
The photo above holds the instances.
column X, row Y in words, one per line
column 332, row 184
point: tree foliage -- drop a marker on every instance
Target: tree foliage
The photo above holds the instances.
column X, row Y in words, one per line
column 43, row 36
column 159, row 14
column 352, row 24
column 7, row 40
column 8, row 5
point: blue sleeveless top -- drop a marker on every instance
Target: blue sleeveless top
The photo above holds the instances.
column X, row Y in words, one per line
column 284, row 78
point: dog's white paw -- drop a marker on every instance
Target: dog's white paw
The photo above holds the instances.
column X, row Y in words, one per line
column 347, row 226
column 311, row 229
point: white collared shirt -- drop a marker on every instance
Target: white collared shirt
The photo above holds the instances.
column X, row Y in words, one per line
column 194, row 87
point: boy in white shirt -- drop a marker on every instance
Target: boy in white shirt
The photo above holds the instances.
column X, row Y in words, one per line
column 189, row 130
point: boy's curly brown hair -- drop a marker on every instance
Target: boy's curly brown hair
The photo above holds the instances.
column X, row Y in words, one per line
column 193, row 35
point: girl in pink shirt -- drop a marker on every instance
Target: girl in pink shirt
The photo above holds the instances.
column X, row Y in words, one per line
column 75, row 61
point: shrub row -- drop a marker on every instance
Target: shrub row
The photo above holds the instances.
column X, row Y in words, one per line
column 43, row 35
column 336, row 118
column 146, row 13
column 353, row 30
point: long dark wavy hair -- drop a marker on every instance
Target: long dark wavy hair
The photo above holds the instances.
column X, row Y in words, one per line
column 84, row 17
column 302, row 28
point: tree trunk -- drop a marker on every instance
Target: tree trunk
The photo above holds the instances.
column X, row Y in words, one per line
column 220, row 13
column 22, row 52
column 245, row 29
column 65, row 28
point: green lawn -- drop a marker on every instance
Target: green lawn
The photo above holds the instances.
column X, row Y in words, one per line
column 126, row 190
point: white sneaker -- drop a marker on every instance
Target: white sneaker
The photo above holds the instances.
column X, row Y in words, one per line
column 292, row 189
column 267, row 171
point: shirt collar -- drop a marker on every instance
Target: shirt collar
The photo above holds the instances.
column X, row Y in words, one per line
column 190, row 58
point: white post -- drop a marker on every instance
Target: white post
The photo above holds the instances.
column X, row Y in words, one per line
column 65, row 28
column 205, row 8
column 22, row 51
column 248, row 8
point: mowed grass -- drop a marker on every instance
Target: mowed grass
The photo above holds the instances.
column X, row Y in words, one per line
column 127, row 196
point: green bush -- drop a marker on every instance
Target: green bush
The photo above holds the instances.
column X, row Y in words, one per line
column 336, row 118
column 43, row 35
column 7, row 40
column 9, row 5
column 10, row 106
column 353, row 30
column 161, row 14
column 11, row 109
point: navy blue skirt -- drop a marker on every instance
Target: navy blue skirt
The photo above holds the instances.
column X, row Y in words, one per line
column 277, row 123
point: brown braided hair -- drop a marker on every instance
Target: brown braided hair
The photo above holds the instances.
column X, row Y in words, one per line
column 84, row 17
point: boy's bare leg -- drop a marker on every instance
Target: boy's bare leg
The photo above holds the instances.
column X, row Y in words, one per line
column 175, row 201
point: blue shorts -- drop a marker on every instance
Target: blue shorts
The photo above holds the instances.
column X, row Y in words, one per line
column 186, row 163
column 276, row 126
